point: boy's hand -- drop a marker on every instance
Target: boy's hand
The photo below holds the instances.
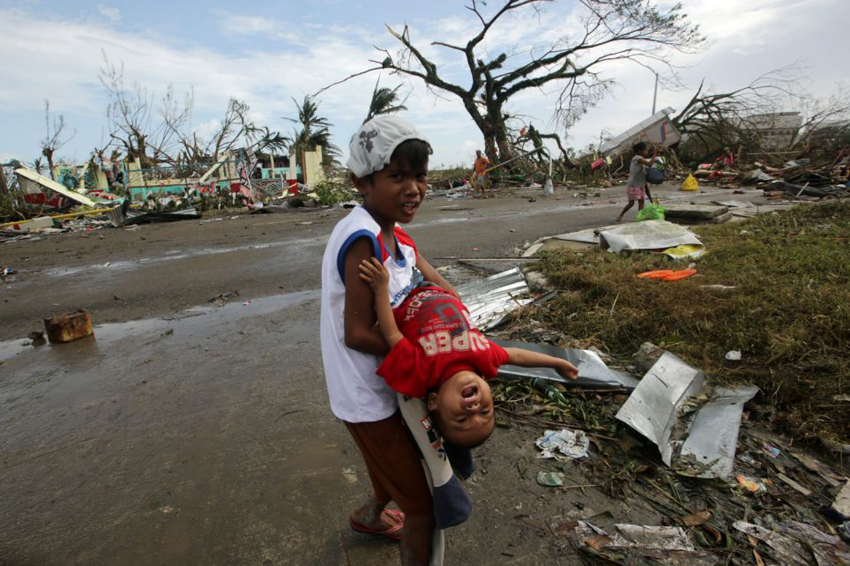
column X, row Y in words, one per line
column 568, row 370
column 375, row 274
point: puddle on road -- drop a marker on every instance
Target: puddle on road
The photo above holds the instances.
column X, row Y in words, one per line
column 185, row 322
column 176, row 255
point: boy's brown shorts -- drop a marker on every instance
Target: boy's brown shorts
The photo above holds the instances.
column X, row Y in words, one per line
column 393, row 464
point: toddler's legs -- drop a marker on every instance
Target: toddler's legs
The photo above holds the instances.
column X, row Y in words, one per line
column 640, row 204
column 396, row 475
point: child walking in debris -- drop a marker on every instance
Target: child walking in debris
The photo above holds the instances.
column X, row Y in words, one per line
column 440, row 354
column 389, row 167
column 637, row 186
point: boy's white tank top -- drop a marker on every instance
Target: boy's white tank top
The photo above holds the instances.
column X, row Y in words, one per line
column 356, row 392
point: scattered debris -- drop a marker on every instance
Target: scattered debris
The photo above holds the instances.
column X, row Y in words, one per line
column 490, row 300
column 68, row 327
column 550, row 479
column 712, row 438
column 694, row 213
column 648, row 235
column 647, row 355
column 563, row 444
column 752, row 485
column 842, row 501
column 135, row 217
column 592, row 371
column 733, row 355
column 652, row 409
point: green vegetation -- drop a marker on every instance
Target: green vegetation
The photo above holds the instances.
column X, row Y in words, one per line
column 789, row 311
column 333, row 192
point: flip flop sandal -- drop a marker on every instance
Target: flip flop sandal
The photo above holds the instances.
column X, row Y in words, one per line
column 393, row 532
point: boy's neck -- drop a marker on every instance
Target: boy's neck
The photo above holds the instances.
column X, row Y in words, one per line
column 387, row 226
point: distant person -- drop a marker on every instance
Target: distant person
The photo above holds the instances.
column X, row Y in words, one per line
column 437, row 354
column 636, row 188
column 479, row 173
column 726, row 159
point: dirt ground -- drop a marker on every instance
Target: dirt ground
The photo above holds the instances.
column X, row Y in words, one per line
column 187, row 432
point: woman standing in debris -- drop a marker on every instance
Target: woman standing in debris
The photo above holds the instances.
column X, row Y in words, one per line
column 389, row 167
column 636, row 187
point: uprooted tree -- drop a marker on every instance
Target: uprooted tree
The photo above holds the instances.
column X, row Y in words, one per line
column 571, row 65
column 740, row 117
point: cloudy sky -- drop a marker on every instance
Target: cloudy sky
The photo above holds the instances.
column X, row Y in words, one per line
column 265, row 53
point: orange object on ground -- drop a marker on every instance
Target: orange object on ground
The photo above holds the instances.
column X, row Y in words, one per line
column 677, row 275
column 656, row 274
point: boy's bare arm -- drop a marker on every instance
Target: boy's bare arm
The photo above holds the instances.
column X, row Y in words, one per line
column 377, row 277
column 432, row 275
column 527, row 358
column 359, row 317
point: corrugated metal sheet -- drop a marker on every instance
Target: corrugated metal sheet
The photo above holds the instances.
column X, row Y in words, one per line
column 489, row 300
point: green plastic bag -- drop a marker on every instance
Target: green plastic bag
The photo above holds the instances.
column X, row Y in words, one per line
column 651, row 212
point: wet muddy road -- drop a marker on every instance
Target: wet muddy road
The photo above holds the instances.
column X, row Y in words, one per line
column 190, row 432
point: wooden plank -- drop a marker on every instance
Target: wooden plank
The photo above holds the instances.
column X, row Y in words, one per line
column 54, row 186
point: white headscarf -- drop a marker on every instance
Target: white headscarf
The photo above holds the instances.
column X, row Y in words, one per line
column 373, row 145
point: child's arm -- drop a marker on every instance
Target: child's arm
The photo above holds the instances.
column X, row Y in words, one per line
column 378, row 278
column 527, row 358
column 649, row 161
column 432, row 275
column 359, row 316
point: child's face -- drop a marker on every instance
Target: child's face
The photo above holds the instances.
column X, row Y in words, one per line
column 464, row 409
column 394, row 193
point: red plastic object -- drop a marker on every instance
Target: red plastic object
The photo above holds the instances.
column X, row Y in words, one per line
column 656, row 274
column 678, row 275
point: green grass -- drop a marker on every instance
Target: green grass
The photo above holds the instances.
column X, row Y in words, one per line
column 789, row 312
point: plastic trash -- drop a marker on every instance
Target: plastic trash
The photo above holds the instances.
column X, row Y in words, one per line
column 651, row 212
column 690, row 183
column 563, row 444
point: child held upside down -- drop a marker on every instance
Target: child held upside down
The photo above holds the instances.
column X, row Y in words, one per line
column 439, row 354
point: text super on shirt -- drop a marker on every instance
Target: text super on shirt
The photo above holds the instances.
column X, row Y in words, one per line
column 439, row 341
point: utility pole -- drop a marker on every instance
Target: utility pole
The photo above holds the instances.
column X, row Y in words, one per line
column 655, row 94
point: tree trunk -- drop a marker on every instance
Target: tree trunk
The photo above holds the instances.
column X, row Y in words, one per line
column 3, row 187
column 48, row 153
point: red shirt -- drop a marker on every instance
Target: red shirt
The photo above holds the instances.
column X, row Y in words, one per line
column 439, row 341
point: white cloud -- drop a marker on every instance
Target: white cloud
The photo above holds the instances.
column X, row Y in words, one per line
column 110, row 13
column 59, row 59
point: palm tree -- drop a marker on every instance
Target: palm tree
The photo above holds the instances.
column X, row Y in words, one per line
column 384, row 101
column 314, row 131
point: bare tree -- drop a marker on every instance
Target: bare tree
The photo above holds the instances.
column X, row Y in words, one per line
column 135, row 124
column 235, row 132
column 826, row 122
column 611, row 31
column 55, row 136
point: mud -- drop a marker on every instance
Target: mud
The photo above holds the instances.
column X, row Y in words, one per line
column 186, row 433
